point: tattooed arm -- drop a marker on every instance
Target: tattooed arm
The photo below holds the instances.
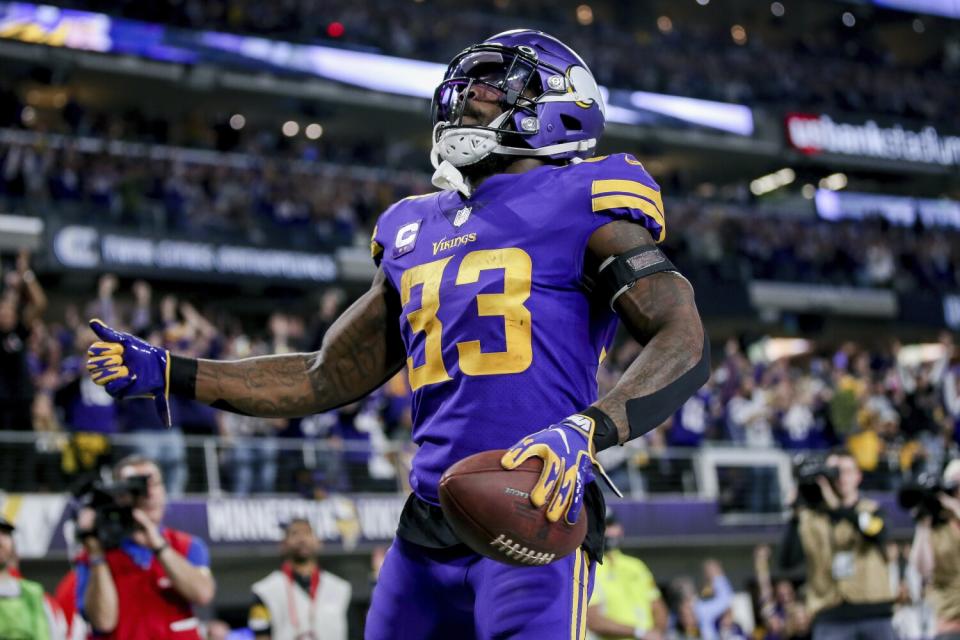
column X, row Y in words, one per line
column 660, row 312
column 360, row 351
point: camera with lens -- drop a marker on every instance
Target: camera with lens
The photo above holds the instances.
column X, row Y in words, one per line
column 921, row 496
column 113, row 504
column 807, row 472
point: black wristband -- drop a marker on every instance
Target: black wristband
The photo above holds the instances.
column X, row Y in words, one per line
column 605, row 431
column 183, row 376
column 160, row 549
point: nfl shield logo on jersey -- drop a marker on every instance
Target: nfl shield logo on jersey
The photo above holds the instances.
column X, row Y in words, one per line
column 462, row 216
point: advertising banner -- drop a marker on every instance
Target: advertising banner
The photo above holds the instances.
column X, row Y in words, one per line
column 359, row 521
column 819, row 133
column 88, row 247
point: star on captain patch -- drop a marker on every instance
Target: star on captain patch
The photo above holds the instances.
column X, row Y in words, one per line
column 462, row 216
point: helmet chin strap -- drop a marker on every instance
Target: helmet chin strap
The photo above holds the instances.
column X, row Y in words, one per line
column 457, row 147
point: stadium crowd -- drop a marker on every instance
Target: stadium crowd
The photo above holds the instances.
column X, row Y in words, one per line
column 897, row 415
column 866, row 76
column 311, row 206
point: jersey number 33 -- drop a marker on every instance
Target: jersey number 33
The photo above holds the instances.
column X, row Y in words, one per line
column 473, row 361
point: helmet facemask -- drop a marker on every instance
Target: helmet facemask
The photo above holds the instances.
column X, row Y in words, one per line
column 519, row 82
column 499, row 73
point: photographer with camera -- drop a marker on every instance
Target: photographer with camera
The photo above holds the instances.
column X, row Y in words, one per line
column 840, row 536
column 936, row 546
column 138, row 580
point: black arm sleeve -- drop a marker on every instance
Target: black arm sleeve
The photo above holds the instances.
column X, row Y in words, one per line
column 648, row 412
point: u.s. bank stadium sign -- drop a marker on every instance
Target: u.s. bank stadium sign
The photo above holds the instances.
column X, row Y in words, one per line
column 813, row 134
column 83, row 247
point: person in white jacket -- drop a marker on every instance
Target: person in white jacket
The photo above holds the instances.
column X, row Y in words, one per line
column 300, row 601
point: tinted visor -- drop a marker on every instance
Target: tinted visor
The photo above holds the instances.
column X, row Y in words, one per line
column 487, row 72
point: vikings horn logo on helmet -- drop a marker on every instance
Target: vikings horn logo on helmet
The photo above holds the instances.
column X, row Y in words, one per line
column 553, row 107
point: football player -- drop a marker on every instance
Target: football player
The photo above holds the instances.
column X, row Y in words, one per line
column 500, row 294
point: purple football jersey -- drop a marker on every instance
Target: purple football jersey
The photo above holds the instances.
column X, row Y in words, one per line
column 502, row 338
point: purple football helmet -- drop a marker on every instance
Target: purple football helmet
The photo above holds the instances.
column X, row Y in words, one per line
column 552, row 106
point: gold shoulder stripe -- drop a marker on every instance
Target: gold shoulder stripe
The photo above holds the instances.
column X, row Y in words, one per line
column 603, row 203
column 596, row 158
column 628, row 186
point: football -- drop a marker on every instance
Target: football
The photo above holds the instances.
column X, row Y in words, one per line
column 489, row 509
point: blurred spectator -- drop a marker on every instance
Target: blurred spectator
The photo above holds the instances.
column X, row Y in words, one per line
column 145, row 588
column 300, row 600
column 331, row 305
column 24, row 612
column 22, row 303
column 749, row 415
column 714, row 600
column 626, row 602
column 781, row 616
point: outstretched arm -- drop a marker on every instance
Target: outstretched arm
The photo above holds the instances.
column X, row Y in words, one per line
column 660, row 312
column 359, row 352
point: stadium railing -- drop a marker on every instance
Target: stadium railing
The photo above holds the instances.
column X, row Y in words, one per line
column 741, row 479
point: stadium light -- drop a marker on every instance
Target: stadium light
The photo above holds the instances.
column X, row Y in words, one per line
column 665, row 24
column 918, row 26
column 808, row 191
column 777, row 9
column 290, row 128
column 848, row 19
column 703, row 3
column 739, row 34
column 28, row 115
column 772, row 181
column 834, row 182
column 585, row 14
column 313, row 131
column 237, row 122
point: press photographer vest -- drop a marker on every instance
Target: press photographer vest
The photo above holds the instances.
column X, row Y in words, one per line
column 843, row 567
column 946, row 572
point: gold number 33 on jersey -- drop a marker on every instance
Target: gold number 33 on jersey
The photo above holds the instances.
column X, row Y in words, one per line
column 517, row 272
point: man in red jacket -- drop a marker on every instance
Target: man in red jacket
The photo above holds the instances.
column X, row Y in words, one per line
column 144, row 589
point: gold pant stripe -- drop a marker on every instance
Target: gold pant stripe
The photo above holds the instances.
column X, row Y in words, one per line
column 575, row 605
